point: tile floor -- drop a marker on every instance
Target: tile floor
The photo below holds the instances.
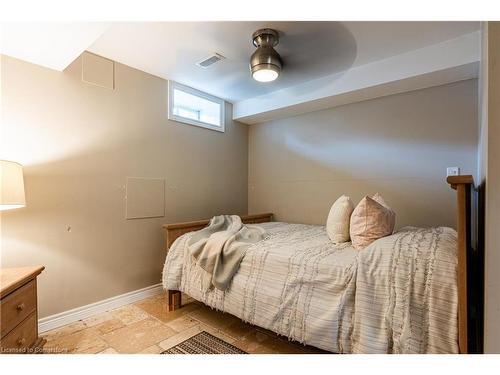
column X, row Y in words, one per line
column 146, row 327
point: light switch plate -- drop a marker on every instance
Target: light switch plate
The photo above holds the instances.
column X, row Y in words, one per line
column 452, row 171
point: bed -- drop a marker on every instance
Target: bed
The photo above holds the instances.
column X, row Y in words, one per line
column 404, row 293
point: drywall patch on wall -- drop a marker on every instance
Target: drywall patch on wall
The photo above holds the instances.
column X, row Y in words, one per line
column 145, row 198
column 98, row 71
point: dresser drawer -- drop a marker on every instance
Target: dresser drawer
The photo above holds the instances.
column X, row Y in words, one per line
column 16, row 306
column 21, row 337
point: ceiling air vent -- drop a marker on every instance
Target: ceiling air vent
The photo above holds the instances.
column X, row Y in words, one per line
column 210, row 60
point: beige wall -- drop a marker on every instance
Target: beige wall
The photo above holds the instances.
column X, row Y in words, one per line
column 78, row 143
column 398, row 145
column 490, row 161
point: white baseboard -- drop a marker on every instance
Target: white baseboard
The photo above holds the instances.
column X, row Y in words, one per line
column 83, row 312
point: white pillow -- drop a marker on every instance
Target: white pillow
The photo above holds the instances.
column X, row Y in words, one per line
column 337, row 224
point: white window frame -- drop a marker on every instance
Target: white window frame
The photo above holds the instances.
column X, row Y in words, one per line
column 171, row 116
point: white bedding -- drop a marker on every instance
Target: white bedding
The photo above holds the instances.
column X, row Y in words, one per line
column 398, row 295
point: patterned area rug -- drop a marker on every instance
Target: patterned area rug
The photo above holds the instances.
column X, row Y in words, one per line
column 204, row 343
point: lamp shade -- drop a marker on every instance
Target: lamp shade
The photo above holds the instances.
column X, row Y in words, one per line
column 11, row 185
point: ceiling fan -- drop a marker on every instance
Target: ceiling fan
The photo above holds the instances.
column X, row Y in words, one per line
column 265, row 62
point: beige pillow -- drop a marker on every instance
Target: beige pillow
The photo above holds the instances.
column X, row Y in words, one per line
column 378, row 198
column 337, row 224
column 371, row 219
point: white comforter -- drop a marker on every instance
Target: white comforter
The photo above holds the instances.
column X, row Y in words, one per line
column 398, row 295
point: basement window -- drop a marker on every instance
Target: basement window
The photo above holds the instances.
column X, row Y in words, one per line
column 194, row 107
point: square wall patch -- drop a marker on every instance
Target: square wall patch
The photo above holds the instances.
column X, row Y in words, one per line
column 98, row 71
column 145, row 198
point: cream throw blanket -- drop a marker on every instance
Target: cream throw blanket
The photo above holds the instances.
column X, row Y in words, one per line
column 220, row 247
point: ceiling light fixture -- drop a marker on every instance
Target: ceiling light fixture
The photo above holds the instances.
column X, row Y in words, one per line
column 265, row 63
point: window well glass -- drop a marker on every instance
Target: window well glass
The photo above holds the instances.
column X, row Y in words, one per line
column 195, row 107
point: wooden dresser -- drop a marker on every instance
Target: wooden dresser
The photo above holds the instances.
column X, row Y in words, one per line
column 18, row 310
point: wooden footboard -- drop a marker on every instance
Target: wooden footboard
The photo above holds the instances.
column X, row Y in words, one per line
column 175, row 230
column 464, row 185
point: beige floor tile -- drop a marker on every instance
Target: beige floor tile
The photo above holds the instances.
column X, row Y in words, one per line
column 156, row 298
column 182, row 323
column 109, row 325
column 266, row 331
column 84, row 341
column 162, row 298
column 109, row 351
column 259, row 342
column 159, row 299
column 154, row 349
column 282, row 347
column 64, row 330
column 157, row 307
column 213, row 318
column 186, row 299
column 147, row 327
column 238, row 329
column 180, row 337
column 255, row 342
column 98, row 319
column 138, row 336
column 129, row 314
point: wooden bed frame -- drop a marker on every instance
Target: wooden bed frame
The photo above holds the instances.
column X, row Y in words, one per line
column 464, row 185
column 173, row 231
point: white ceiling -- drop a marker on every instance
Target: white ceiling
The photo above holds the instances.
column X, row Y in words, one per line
column 438, row 64
column 310, row 50
column 54, row 45
column 325, row 63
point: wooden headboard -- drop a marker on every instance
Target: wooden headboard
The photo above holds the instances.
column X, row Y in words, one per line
column 173, row 231
column 464, row 185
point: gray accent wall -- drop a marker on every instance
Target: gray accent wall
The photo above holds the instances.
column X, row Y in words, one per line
column 398, row 145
